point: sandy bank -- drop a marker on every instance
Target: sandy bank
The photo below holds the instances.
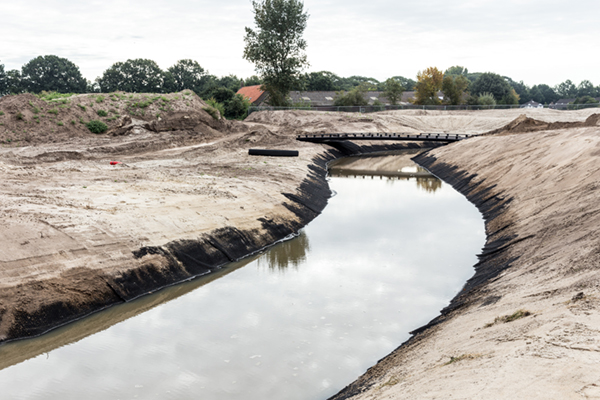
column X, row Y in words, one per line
column 526, row 325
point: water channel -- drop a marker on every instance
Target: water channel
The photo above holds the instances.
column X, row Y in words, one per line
column 300, row 321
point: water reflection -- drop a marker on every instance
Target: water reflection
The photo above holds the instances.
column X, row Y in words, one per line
column 383, row 258
column 291, row 253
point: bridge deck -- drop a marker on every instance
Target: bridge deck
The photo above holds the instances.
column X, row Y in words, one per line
column 334, row 137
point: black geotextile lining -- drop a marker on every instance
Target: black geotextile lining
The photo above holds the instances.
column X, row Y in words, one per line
column 493, row 259
column 182, row 260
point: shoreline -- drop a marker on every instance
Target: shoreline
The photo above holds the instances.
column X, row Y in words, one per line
column 528, row 315
column 185, row 260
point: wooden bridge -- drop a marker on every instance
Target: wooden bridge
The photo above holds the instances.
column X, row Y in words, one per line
column 337, row 137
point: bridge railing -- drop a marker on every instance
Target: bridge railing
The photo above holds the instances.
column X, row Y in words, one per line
column 376, row 108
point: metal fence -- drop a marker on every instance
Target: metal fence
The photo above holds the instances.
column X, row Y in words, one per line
column 370, row 109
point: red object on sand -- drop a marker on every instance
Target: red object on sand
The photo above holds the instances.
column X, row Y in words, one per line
column 115, row 162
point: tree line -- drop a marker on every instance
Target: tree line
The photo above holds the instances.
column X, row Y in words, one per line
column 456, row 84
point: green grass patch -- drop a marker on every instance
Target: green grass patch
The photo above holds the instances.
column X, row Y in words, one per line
column 59, row 123
column 508, row 318
column 52, row 96
column 82, row 107
column 462, row 357
column 1, row 113
column 100, row 99
column 102, row 113
column 53, row 111
column 97, row 126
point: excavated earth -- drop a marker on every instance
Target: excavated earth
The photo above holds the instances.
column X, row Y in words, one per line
column 79, row 234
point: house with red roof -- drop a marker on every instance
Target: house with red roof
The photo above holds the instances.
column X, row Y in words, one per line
column 254, row 94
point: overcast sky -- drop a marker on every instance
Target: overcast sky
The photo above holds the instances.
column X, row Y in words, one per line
column 537, row 41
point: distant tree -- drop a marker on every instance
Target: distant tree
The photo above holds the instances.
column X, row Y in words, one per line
column 52, row 73
column 585, row 100
column 407, row 83
column 184, row 74
column 364, row 81
column 221, row 94
column 586, row 88
column 487, row 100
column 521, row 89
column 566, row 89
column 231, row 82
column 429, row 83
column 354, row 97
column 549, row 94
column 456, row 71
column 276, row 46
column 136, row 76
column 454, row 88
column 92, row 87
column 237, row 107
column 252, row 81
column 537, row 94
column 490, row 82
column 393, row 90
column 318, row 81
column 511, row 98
column 3, row 81
column 14, row 81
column 209, row 83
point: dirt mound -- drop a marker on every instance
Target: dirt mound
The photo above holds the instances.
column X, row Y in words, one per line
column 27, row 119
column 524, row 124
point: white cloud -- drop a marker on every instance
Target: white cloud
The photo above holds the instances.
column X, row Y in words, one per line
column 531, row 40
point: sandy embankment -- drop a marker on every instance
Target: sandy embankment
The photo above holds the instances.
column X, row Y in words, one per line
column 539, row 193
column 79, row 234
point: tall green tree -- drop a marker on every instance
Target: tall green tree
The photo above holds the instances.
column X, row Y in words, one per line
column 454, row 88
column 184, row 74
column 586, row 88
column 136, row 76
column 429, row 83
column 544, row 94
column 393, row 90
column 14, row 81
column 491, row 83
column 276, row 46
column 456, row 70
column 231, row 82
column 407, row 83
column 52, row 73
column 252, row 81
column 319, row 81
column 566, row 89
column 354, row 97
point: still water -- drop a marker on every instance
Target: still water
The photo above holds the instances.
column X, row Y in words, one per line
column 299, row 321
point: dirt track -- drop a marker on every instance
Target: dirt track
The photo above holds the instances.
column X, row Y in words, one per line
column 77, row 232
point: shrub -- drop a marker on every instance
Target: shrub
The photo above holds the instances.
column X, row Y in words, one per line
column 102, row 113
column 214, row 108
column 97, row 126
column 487, row 100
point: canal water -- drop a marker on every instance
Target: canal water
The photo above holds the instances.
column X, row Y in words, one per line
column 300, row 321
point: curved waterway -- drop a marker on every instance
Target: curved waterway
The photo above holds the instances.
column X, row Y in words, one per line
column 299, row 321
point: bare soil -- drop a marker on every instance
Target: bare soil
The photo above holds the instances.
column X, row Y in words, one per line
column 70, row 220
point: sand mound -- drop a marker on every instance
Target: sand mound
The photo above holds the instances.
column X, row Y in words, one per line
column 27, row 119
column 524, row 124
